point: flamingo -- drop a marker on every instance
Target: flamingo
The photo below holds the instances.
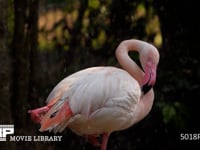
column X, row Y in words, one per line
column 100, row 100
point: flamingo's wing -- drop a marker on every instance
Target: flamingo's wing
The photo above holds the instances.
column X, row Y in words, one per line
column 95, row 93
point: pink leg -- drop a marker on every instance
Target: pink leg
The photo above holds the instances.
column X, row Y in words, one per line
column 105, row 141
column 37, row 114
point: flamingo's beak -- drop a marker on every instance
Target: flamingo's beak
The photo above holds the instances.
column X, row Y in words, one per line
column 149, row 78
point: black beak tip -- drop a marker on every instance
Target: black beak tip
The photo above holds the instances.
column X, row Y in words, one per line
column 146, row 87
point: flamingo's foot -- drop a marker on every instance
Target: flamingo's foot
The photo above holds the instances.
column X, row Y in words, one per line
column 38, row 113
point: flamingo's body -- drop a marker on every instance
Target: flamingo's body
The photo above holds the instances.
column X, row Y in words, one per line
column 101, row 100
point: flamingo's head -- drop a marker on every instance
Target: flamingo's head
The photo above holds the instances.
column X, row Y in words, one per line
column 149, row 59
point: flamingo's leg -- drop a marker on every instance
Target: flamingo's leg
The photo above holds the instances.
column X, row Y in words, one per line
column 105, row 141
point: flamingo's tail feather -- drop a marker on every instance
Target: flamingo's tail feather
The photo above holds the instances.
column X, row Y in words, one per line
column 38, row 113
column 57, row 117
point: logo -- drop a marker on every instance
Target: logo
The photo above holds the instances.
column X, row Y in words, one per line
column 9, row 129
column 5, row 130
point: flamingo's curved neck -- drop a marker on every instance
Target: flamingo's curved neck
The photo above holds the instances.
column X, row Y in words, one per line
column 126, row 62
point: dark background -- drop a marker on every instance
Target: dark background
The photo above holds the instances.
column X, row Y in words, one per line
column 41, row 42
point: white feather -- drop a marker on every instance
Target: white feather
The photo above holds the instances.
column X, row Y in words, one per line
column 102, row 99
